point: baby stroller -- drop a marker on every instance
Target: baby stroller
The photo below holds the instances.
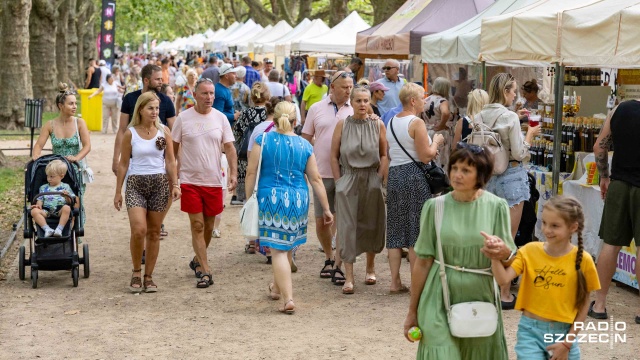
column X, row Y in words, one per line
column 52, row 253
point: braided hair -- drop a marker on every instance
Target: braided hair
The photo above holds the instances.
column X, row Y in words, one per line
column 571, row 211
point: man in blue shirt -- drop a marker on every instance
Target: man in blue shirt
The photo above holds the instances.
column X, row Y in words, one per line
column 223, row 101
column 390, row 114
column 252, row 75
column 394, row 83
column 212, row 72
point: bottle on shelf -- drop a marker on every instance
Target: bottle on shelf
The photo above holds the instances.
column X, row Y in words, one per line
column 571, row 159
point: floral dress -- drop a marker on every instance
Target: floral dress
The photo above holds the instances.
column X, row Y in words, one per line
column 188, row 100
column 248, row 119
column 70, row 147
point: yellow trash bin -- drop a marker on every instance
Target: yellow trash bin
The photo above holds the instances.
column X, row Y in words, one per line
column 91, row 109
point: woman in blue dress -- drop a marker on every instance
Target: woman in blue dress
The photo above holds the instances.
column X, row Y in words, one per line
column 283, row 195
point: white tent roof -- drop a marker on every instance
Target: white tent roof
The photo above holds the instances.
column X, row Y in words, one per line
column 219, row 34
column 461, row 44
column 247, row 28
column 270, row 46
column 529, row 36
column 278, row 31
column 603, row 34
column 244, row 43
column 340, row 39
column 209, row 32
column 314, row 28
column 195, row 42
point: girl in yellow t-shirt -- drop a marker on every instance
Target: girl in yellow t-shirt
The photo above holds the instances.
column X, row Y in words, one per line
column 557, row 278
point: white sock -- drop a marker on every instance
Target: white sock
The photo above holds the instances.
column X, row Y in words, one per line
column 60, row 227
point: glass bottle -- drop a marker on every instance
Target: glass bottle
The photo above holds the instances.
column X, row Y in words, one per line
column 571, row 159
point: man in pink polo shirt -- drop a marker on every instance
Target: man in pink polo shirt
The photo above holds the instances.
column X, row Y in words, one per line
column 199, row 134
column 320, row 122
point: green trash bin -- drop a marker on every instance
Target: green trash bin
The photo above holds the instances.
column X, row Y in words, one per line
column 91, row 109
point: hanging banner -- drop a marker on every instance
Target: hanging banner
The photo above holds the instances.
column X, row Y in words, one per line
column 108, row 31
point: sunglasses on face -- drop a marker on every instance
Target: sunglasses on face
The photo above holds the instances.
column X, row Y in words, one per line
column 201, row 80
column 475, row 149
column 387, row 68
column 343, row 75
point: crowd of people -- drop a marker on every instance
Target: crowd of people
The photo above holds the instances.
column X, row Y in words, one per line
column 364, row 148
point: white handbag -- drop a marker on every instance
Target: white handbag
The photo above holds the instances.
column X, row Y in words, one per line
column 468, row 319
column 250, row 210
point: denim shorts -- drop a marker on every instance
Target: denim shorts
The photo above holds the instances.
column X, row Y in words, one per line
column 512, row 185
column 531, row 343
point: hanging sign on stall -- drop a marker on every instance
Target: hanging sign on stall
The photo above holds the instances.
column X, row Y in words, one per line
column 108, row 31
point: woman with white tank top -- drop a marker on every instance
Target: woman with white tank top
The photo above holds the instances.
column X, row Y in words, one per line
column 110, row 110
column 148, row 162
column 407, row 188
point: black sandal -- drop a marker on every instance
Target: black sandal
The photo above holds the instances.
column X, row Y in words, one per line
column 339, row 281
column 204, row 283
column 194, row 265
column 326, row 273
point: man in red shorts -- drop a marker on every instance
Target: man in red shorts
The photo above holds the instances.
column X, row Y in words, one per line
column 199, row 134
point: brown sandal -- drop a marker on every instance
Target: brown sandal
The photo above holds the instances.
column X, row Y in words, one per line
column 135, row 280
column 289, row 310
column 149, row 285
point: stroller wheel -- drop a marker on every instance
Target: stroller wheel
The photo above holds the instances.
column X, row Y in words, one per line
column 75, row 275
column 85, row 258
column 34, row 278
column 21, row 263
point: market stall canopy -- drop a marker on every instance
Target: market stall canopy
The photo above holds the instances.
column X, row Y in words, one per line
column 209, row 32
column 340, row 39
column 461, row 44
column 403, row 31
column 270, row 46
column 314, row 28
column 530, row 36
column 604, row 34
column 220, row 34
column 195, row 42
column 242, row 45
column 250, row 27
column 278, row 31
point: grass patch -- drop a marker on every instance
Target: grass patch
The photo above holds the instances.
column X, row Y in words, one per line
column 11, row 176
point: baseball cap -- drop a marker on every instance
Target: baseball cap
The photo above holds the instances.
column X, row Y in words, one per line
column 102, row 62
column 268, row 61
column 227, row 69
column 241, row 71
column 377, row 86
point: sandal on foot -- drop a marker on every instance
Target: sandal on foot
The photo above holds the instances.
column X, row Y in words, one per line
column 403, row 289
column 163, row 232
column 289, row 309
column 347, row 289
column 205, row 281
column 272, row 294
column 250, row 248
column 599, row 315
column 268, row 260
column 509, row 305
column 335, row 279
column 149, row 285
column 370, row 279
column 135, row 286
column 326, row 273
column 193, row 265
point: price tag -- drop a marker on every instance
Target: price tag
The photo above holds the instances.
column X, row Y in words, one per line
column 611, row 102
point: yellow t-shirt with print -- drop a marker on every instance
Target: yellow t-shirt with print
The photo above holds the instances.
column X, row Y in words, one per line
column 549, row 284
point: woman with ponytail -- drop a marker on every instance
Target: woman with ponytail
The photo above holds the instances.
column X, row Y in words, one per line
column 283, row 195
column 557, row 278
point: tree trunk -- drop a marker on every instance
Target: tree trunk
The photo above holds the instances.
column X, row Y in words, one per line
column 83, row 25
column 72, row 43
column 260, row 14
column 338, row 11
column 383, row 9
column 305, row 10
column 42, row 51
column 15, row 70
column 61, row 42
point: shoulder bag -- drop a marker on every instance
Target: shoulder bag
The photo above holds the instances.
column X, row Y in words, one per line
column 250, row 210
column 468, row 319
column 435, row 175
column 85, row 170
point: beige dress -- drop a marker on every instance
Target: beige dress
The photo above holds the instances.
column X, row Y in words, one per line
column 360, row 208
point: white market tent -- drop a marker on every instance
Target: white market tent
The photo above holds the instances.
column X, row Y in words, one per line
column 461, row 44
column 243, row 45
column 278, row 31
column 249, row 27
column 340, row 39
column 588, row 35
column 195, row 42
column 270, row 46
column 315, row 28
column 219, row 34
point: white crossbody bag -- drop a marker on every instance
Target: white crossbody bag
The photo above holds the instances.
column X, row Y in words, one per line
column 250, row 210
column 468, row 319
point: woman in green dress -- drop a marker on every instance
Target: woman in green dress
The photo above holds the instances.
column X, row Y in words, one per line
column 69, row 134
column 468, row 210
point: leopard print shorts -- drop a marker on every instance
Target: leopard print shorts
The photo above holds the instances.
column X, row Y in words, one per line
column 147, row 191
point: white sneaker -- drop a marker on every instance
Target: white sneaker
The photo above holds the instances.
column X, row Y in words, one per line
column 57, row 233
column 237, row 202
column 48, row 233
column 216, row 233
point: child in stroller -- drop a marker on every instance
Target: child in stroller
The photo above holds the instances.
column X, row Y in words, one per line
column 54, row 205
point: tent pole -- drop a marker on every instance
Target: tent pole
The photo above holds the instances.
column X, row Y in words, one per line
column 425, row 77
column 557, row 126
column 484, row 75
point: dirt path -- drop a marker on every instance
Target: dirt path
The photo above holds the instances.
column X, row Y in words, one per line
column 232, row 319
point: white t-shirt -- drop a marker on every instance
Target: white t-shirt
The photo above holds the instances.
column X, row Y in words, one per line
column 257, row 131
column 201, row 138
column 277, row 89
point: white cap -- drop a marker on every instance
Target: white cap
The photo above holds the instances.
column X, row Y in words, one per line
column 102, row 63
column 226, row 69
